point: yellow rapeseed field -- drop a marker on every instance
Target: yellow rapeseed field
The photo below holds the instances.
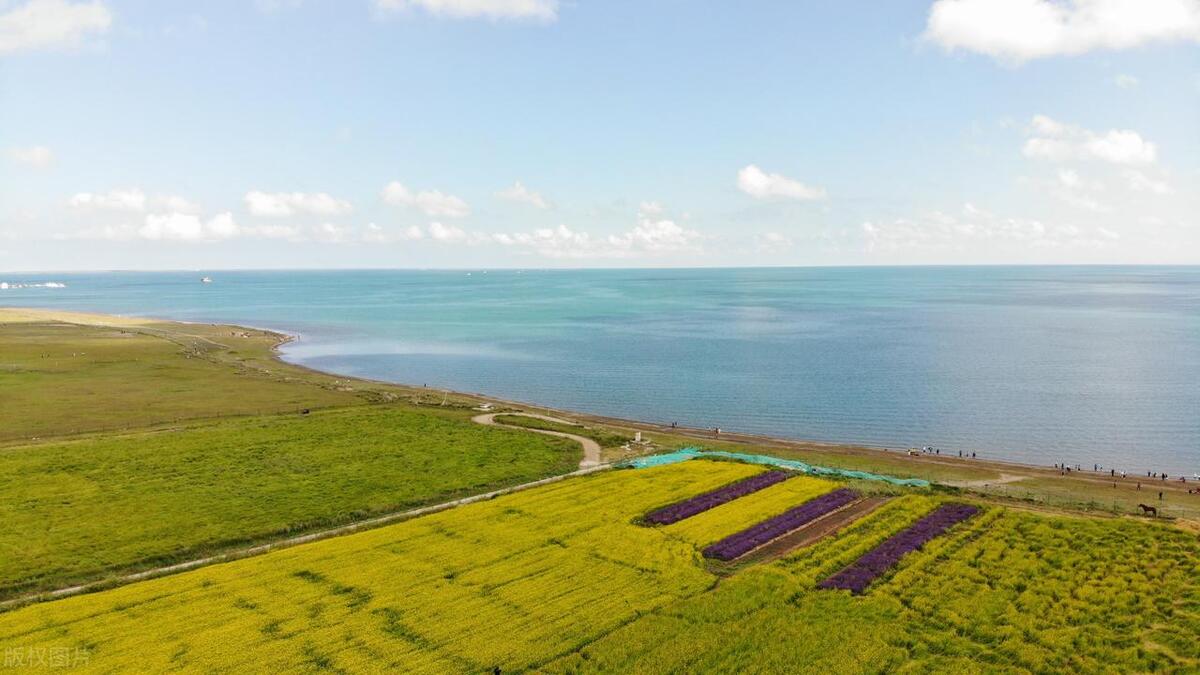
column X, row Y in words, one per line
column 512, row 582
column 563, row 579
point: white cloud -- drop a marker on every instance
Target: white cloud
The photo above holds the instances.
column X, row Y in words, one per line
column 447, row 233
column 1059, row 142
column 177, row 203
column 1078, row 191
column 47, row 24
column 430, row 202
column 132, row 199
column 331, row 233
column 1125, row 81
column 375, row 234
column 651, row 236
column 188, row 227
column 519, row 193
column 761, row 185
column 976, row 229
column 116, row 200
column 1140, row 182
column 1015, row 31
column 282, row 204
column 536, row 10
column 37, row 156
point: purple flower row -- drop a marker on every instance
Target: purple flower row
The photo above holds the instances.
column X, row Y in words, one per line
column 741, row 543
column 859, row 574
column 703, row 502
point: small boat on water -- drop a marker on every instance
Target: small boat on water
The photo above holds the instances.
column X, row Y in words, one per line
column 206, row 280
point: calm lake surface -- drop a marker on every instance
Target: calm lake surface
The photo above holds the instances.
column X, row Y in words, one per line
column 1034, row 364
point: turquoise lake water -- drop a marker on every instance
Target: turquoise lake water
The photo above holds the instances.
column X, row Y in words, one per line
column 1035, row 364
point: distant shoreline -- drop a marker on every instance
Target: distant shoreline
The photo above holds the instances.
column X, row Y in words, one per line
column 285, row 336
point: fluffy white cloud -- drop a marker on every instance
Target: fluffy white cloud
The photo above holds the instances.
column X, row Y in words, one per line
column 116, row 200
column 282, row 204
column 976, row 229
column 1015, row 31
column 447, row 233
column 37, row 156
column 519, row 193
column 188, row 227
column 536, row 10
column 177, row 204
column 762, row 185
column 1059, row 142
column 430, row 202
column 46, row 24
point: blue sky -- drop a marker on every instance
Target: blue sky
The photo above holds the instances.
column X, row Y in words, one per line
column 544, row 133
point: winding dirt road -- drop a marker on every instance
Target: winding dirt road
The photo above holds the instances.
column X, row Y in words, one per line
column 591, row 449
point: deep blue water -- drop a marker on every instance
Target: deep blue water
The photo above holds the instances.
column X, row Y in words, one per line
column 1035, row 364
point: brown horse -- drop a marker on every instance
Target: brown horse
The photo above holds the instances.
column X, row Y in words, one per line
column 1147, row 510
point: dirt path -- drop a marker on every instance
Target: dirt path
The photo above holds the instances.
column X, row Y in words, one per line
column 591, row 449
column 285, row 543
column 987, row 482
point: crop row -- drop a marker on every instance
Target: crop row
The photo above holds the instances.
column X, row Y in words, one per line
column 703, row 502
column 880, row 559
column 751, row 538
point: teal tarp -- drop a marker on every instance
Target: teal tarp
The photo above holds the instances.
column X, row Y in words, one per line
column 795, row 465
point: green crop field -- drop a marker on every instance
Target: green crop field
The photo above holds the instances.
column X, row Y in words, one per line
column 562, row 578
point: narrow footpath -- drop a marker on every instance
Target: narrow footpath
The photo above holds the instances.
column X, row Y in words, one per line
column 591, row 449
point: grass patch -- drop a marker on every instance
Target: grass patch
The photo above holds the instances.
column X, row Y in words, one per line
column 80, row 509
column 59, row 379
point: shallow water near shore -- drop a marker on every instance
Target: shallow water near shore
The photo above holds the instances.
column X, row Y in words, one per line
column 1084, row 365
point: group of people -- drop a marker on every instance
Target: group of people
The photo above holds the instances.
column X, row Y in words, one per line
column 1064, row 469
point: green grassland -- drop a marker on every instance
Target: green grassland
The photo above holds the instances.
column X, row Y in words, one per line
column 85, row 507
column 60, row 378
column 561, row 578
column 605, row 437
column 162, row 442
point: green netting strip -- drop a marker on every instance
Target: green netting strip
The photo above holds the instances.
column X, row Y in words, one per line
column 793, row 464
